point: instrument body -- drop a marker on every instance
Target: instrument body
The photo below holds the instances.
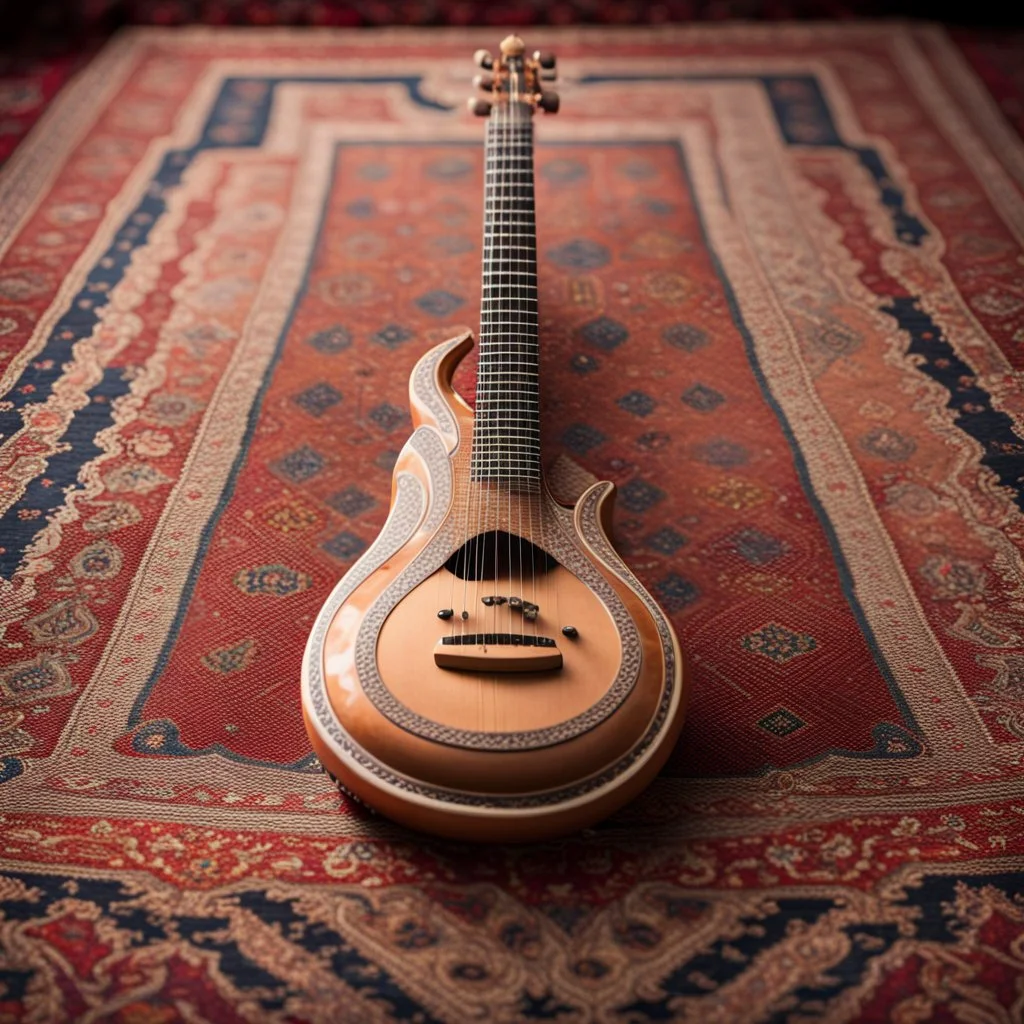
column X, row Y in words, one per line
column 490, row 669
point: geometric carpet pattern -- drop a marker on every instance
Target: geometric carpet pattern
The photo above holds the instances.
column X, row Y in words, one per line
column 782, row 308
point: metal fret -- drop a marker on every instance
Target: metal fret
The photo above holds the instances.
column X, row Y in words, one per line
column 506, row 430
column 530, row 463
column 524, row 457
column 519, row 435
column 527, row 454
column 493, row 444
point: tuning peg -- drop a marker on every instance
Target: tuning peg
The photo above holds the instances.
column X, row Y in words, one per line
column 548, row 75
column 544, row 59
column 481, row 108
column 483, row 59
column 549, row 102
column 484, row 81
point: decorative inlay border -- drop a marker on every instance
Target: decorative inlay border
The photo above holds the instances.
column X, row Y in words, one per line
column 427, row 442
column 332, row 729
column 424, row 385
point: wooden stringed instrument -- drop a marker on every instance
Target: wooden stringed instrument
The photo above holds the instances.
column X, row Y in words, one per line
column 490, row 669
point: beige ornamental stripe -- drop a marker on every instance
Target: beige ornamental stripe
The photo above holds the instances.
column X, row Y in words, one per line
column 126, row 663
column 117, row 325
column 747, row 807
column 959, row 132
column 972, row 95
column 766, row 260
column 135, row 187
column 42, row 154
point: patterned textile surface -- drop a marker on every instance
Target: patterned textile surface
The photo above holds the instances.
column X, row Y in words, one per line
column 782, row 308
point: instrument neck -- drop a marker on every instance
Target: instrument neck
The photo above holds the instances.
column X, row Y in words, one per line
column 506, row 433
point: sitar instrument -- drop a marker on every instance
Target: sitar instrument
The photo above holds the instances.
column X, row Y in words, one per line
column 490, row 669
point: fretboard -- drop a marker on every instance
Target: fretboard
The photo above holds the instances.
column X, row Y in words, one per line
column 506, row 435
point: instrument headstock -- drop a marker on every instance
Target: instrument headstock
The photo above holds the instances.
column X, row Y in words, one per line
column 512, row 77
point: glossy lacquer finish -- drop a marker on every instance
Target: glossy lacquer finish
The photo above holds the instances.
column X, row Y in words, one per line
column 488, row 755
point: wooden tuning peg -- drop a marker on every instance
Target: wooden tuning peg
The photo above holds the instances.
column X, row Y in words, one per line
column 548, row 75
column 483, row 59
column 481, row 108
column 544, row 59
column 484, row 82
column 549, row 102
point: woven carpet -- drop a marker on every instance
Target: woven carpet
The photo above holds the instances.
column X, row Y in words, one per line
column 782, row 308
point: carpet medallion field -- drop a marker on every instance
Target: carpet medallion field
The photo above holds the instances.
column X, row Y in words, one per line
column 782, row 308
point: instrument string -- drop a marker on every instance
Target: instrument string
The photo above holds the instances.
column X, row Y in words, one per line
column 472, row 498
column 484, row 412
column 486, row 346
column 503, row 285
column 532, row 390
column 514, row 400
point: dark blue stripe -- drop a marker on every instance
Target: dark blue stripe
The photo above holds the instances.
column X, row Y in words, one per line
column 36, row 381
column 241, row 112
column 1002, row 449
column 25, row 517
column 907, row 227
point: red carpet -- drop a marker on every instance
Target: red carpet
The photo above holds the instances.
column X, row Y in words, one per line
column 782, row 309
